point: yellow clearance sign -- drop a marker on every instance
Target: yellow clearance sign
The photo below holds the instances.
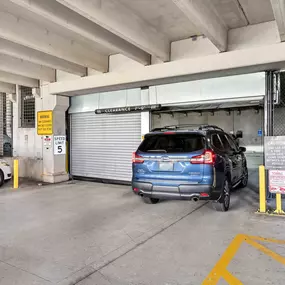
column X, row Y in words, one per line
column 45, row 124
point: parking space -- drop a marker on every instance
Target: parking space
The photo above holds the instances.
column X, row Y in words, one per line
column 86, row 233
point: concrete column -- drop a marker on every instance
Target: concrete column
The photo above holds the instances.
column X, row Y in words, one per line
column 54, row 166
column 145, row 116
column 27, row 146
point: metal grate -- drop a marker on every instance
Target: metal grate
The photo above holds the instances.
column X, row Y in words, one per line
column 7, row 126
column 28, row 116
column 4, row 112
column 8, row 121
column 2, row 95
column 279, row 110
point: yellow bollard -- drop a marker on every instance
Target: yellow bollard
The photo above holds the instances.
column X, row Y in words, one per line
column 262, row 187
column 16, row 174
column 279, row 205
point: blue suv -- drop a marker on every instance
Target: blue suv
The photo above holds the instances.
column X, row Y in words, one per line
column 188, row 162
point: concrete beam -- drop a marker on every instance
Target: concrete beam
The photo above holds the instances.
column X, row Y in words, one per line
column 74, row 22
column 26, row 33
column 18, row 79
column 278, row 7
column 26, row 68
column 122, row 22
column 7, row 87
column 38, row 57
column 223, row 64
column 203, row 15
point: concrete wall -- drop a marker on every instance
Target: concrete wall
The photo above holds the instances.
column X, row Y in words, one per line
column 35, row 161
column 193, row 47
column 121, row 63
column 91, row 102
column 240, row 86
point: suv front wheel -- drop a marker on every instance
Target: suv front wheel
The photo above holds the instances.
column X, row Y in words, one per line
column 223, row 204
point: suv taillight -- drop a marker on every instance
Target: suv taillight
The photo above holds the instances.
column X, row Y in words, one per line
column 208, row 157
column 137, row 158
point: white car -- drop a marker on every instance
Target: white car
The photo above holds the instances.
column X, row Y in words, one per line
column 5, row 171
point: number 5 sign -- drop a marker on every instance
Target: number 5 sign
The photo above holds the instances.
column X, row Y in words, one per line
column 59, row 145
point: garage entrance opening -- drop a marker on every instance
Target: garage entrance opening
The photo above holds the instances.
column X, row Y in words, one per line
column 238, row 115
column 101, row 144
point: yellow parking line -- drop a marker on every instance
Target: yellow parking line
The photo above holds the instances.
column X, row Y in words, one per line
column 220, row 269
column 221, row 265
column 267, row 251
column 267, row 239
column 231, row 279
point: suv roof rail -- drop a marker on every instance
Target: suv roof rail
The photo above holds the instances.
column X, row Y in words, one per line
column 192, row 126
column 210, row 127
column 164, row 128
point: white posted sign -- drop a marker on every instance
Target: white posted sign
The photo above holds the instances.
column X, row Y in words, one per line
column 59, row 145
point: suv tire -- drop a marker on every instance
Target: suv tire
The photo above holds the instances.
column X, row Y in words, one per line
column 223, row 204
column 148, row 200
column 244, row 180
column 1, row 178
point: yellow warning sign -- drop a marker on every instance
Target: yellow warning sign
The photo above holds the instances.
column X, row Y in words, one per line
column 44, row 123
column 220, row 270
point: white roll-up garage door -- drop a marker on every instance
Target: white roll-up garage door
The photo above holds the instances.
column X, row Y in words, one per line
column 102, row 145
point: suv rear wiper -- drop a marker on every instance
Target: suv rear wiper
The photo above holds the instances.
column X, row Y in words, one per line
column 157, row 150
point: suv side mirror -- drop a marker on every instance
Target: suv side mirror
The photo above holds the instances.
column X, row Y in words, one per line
column 239, row 134
column 242, row 149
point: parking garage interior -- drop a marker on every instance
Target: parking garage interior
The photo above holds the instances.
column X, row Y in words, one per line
column 212, row 62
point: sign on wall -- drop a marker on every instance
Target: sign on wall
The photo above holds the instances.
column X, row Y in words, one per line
column 277, row 181
column 47, row 142
column 59, row 145
column 274, row 150
column 44, row 123
column 122, row 110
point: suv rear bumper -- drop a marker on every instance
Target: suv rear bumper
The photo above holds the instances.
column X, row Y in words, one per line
column 181, row 192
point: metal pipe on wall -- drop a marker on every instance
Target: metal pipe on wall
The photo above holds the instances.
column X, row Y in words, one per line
column 268, row 104
column 268, row 112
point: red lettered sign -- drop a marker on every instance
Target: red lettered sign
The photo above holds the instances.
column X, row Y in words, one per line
column 277, row 181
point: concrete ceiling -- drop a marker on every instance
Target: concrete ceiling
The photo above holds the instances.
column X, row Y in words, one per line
column 37, row 20
column 231, row 13
column 164, row 16
column 257, row 11
column 48, row 35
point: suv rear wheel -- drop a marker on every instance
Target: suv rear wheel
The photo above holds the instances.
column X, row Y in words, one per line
column 223, row 204
column 148, row 200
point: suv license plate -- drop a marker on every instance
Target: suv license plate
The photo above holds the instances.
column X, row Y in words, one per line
column 166, row 166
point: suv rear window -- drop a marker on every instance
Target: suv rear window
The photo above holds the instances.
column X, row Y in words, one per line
column 173, row 143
